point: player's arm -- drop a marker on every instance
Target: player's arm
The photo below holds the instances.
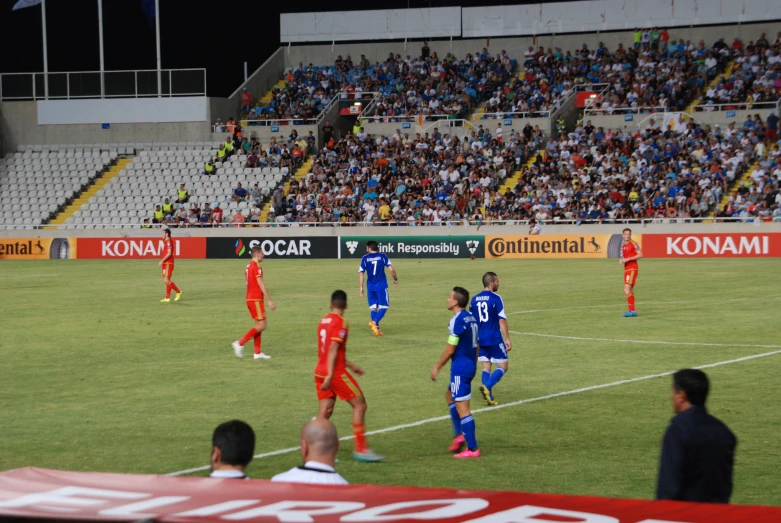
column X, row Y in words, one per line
column 506, row 333
column 360, row 281
column 264, row 290
column 393, row 273
column 165, row 258
column 333, row 352
column 452, row 341
column 353, row 367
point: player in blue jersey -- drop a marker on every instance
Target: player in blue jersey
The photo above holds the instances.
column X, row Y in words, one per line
column 462, row 350
column 373, row 265
column 494, row 336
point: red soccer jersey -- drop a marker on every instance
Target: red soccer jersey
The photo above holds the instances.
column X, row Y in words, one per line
column 331, row 328
column 629, row 249
column 170, row 248
column 253, row 271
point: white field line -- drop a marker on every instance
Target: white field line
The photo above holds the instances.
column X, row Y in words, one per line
column 619, row 304
column 648, row 342
column 503, row 406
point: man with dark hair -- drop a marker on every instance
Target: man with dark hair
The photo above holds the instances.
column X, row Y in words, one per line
column 461, row 350
column 630, row 253
column 373, row 263
column 256, row 294
column 332, row 379
column 493, row 335
column 319, row 444
column 698, row 450
column 233, row 447
column 167, row 265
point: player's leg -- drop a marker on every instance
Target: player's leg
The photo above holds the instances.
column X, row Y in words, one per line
column 630, row 277
column 167, row 282
column 326, row 407
column 373, row 308
column 347, row 389
column 484, row 357
column 458, row 436
column 260, row 326
column 171, row 285
column 257, row 313
column 462, row 395
column 498, row 358
column 383, row 303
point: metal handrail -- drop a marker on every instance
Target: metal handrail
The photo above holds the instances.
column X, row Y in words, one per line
column 617, row 111
column 737, row 106
column 447, row 223
column 508, row 114
column 409, row 118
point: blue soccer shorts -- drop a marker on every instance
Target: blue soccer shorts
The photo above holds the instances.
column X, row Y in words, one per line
column 461, row 387
column 379, row 299
column 493, row 353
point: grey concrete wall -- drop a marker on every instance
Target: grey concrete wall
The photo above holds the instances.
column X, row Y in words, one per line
column 222, row 108
column 703, row 117
column 320, row 54
column 264, row 133
column 649, row 228
column 18, row 126
column 263, row 78
column 460, row 130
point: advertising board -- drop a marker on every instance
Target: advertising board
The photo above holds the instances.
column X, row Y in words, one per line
column 37, row 248
column 416, row 246
column 314, row 247
column 138, row 248
column 555, row 246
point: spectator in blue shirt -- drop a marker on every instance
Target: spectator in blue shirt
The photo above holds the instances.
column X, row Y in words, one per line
column 239, row 193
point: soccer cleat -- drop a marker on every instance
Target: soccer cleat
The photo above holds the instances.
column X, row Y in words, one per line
column 238, row 350
column 375, row 328
column 367, row 456
column 165, row 300
column 262, row 356
column 178, row 296
column 457, row 444
column 468, row 454
column 488, row 396
column 630, row 314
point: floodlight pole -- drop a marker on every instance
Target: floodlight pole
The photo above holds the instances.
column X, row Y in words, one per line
column 45, row 52
column 102, row 61
column 157, row 35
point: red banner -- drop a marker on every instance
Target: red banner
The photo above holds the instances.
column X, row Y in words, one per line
column 583, row 97
column 138, row 248
column 52, row 494
column 716, row 245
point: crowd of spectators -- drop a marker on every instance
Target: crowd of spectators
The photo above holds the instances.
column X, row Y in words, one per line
column 423, row 85
column 432, row 178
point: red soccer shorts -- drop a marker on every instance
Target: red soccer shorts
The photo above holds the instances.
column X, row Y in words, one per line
column 343, row 386
column 630, row 277
column 257, row 309
column 168, row 270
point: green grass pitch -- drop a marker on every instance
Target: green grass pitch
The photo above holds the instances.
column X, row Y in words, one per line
column 97, row 375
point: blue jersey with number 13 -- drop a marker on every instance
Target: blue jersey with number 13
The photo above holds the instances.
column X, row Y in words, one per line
column 373, row 265
column 488, row 308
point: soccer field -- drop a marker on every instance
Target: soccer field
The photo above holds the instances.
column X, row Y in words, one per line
column 100, row 376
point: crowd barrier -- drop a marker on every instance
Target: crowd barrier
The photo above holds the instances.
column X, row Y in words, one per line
column 547, row 246
column 50, row 495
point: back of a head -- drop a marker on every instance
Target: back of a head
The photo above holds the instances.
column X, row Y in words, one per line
column 339, row 299
column 373, row 245
column 321, row 437
column 461, row 296
column 488, row 279
column 694, row 383
column 236, row 441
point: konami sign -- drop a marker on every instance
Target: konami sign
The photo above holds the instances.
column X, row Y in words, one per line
column 59, row 495
column 139, row 248
column 716, row 245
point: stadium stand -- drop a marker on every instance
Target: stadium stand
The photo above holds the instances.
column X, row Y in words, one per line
column 38, row 182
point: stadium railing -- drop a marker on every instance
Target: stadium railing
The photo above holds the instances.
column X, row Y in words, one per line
column 513, row 115
column 745, row 106
column 109, row 84
column 623, row 110
column 449, row 223
column 341, row 96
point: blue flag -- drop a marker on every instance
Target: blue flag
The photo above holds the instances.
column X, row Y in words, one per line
column 148, row 7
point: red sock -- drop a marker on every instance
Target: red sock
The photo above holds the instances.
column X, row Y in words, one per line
column 257, row 343
column 631, row 301
column 174, row 287
column 360, row 438
column 250, row 334
column 167, row 291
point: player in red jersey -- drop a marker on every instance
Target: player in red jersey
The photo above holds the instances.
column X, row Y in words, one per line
column 167, row 265
column 332, row 379
column 630, row 253
column 256, row 293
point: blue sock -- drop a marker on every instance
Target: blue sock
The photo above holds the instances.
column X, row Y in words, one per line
column 456, row 420
column 496, row 376
column 468, row 428
column 380, row 315
column 486, row 377
column 374, row 315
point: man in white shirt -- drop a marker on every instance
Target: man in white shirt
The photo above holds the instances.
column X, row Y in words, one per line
column 319, row 444
column 233, row 447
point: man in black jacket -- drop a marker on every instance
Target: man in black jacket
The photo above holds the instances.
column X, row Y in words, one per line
column 698, row 450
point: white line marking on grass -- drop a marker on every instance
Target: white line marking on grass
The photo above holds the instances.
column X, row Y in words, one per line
column 619, row 304
column 504, row 406
column 648, row 342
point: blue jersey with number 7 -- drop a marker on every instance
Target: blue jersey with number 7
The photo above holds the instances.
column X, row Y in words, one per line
column 488, row 308
column 373, row 265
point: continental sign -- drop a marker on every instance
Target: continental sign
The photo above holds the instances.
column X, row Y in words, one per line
column 37, row 248
column 556, row 246
column 415, row 246
column 714, row 245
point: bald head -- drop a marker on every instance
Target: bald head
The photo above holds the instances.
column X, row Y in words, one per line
column 319, row 441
